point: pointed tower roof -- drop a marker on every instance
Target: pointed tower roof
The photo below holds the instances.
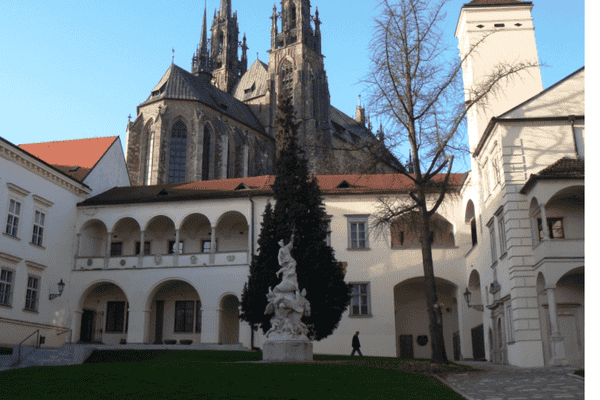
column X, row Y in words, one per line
column 204, row 38
column 201, row 61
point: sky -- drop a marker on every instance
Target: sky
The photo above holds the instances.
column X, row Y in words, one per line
column 76, row 69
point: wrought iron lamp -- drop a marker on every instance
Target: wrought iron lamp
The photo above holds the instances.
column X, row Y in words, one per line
column 478, row 307
column 61, row 287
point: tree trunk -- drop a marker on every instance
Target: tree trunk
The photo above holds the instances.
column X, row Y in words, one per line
column 438, row 348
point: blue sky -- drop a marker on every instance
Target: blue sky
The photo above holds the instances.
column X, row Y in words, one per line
column 72, row 69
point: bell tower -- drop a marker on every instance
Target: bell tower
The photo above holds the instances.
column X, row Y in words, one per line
column 296, row 70
column 224, row 48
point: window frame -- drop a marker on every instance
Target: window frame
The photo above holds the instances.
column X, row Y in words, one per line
column 11, row 216
column 502, row 232
column 6, row 294
column 493, row 244
column 37, row 235
column 360, row 295
column 358, row 219
column 113, row 252
column 549, row 221
column 181, row 326
column 203, row 242
column 171, row 244
column 115, row 324
column 138, row 247
column 32, row 293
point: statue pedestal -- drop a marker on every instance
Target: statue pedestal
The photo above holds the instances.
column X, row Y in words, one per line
column 288, row 350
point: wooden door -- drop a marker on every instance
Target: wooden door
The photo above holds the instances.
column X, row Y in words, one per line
column 87, row 326
column 160, row 311
column 406, row 346
column 456, row 346
column 478, row 342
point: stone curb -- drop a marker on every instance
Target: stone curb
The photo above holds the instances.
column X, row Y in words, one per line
column 582, row 379
column 460, row 392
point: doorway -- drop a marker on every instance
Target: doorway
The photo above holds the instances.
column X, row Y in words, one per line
column 477, row 340
column 160, row 311
column 87, row 326
column 406, row 346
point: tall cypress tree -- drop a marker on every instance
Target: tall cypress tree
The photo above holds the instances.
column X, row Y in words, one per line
column 299, row 208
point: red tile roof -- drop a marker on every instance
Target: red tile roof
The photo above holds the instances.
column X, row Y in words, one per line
column 65, row 154
column 565, row 168
column 494, row 1
column 356, row 184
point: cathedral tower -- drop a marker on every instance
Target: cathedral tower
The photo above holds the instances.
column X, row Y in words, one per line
column 511, row 40
column 296, row 70
column 201, row 61
column 224, row 49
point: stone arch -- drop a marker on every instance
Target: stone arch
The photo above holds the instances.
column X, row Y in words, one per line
column 175, row 311
column 232, row 231
column 229, row 323
column 470, row 219
column 411, row 318
column 102, row 309
column 159, row 230
column 126, row 231
column 195, row 229
column 177, row 155
column 92, row 241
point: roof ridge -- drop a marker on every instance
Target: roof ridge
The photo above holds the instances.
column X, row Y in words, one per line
column 70, row 140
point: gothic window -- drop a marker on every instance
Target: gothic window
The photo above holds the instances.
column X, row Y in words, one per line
column 177, row 154
column 206, row 154
column 286, row 76
column 293, row 17
column 149, row 154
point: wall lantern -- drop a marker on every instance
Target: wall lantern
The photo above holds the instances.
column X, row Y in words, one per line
column 61, row 287
column 467, row 294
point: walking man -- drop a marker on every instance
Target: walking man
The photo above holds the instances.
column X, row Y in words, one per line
column 355, row 345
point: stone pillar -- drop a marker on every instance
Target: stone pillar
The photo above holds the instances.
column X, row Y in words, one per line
column 176, row 252
column 137, row 325
column 213, row 244
column 107, row 251
column 210, row 325
column 77, row 245
column 250, row 238
column 141, row 255
column 556, row 340
column 544, row 222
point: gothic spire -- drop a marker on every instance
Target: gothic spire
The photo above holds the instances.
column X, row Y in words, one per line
column 225, row 10
column 203, row 38
column 201, row 61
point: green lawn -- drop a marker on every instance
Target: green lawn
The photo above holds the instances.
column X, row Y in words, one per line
column 192, row 375
column 580, row 373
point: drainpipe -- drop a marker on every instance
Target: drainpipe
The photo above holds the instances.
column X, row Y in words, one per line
column 572, row 121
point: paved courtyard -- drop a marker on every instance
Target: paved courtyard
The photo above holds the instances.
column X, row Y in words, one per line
column 502, row 382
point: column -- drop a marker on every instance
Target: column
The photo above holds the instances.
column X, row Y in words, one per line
column 77, row 246
column 75, row 327
column 213, row 244
column 107, row 253
column 138, row 321
column 142, row 254
column 176, row 252
column 556, row 340
column 544, row 222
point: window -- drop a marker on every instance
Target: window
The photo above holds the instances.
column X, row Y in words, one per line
column 206, row 246
column 286, row 84
column 146, row 248
column 360, row 303
column 502, row 234
column 115, row 316
column 555, row 228
column 31, row 298
column 177, row 153
column 328, row 237
column 116, row 249
column 473, row 231
column 493, row 242
column 486, row 181
column 12, row 222
column 206, row 154
column 198, row 316
column 149, row 154
column 509, row 321
column 184, row 316
column 171, row 249
column 37, row 237
column 6, row 278
column 358, row 231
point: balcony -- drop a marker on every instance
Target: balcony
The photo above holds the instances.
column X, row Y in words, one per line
column 557, row 249
column 200, row 260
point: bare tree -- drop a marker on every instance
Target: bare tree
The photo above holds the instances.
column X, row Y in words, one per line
column 416, row 86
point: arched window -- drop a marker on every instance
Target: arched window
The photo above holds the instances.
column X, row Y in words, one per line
column 206, row 154
column 177, row 154
column 470, row 219
column 149, row 154
column 286, row 78
column 293, row 17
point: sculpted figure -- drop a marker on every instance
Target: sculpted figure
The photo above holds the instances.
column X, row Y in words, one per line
column 289, row 282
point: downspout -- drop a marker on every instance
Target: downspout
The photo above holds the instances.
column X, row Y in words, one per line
column 572, row 121
column 251, row 259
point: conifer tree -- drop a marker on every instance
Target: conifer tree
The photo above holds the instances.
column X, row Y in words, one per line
column 298, row 208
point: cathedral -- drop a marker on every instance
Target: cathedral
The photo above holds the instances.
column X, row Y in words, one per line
column 218, row 121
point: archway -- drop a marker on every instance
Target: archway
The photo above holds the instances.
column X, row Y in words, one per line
column 412, row 321
column 175, row 313
column 93, row 239
column 570, row 309
column 105, row 314
column 474, row 317
column 229, row 327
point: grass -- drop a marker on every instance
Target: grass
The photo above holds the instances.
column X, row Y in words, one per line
column 5, row 351
column 580, row 373
column 211, row 375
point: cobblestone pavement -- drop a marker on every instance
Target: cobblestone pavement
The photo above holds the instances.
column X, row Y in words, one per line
column 503, row 382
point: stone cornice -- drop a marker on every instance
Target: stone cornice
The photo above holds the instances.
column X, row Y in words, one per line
column 34, row 165
column 17, row 189
column 36, row 266
column 42, row 201
column 10, row 258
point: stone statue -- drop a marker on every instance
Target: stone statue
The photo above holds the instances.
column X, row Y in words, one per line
column 286, row 301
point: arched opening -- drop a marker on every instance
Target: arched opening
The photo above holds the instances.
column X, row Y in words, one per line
column 286, row 79
column 471, row 220
column 105, row 314
column 93, row 239
column 474, row 318
column 125, row 238
column 405, row 232
column 206, row 153
column 232, row 232
column 149, row 152
column 229, row 329
column 160, row 231
column 175, row 313
column 195, row 232
column 178, row 152
column 412, row 321
column 570, row 303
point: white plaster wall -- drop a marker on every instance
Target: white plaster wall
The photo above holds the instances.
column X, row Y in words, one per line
column 110, row 171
